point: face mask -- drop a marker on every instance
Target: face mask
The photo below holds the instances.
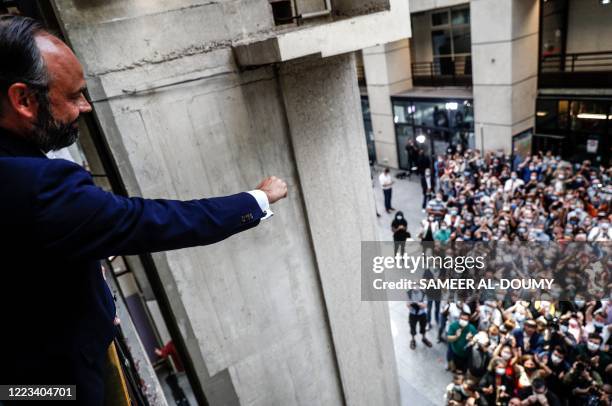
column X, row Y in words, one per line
column 494, row 339
column 592, row 346
column 458, row 387
column 555, row 360
column 563, row 328
column 579, row 303
column 500, row 371
column 463, row 323
column 399, row 217
column 506, row 355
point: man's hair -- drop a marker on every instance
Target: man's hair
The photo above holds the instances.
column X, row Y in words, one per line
column 22, row 61
column 595, row 336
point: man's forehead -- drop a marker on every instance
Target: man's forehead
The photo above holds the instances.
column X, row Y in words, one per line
column 60, row 60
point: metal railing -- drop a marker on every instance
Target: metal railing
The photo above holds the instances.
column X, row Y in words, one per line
column 586, row 69
column 443, row 71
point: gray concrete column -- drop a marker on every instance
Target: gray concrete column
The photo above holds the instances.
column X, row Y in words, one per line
column 505, row 68
column 387, row 69
column 322, row 106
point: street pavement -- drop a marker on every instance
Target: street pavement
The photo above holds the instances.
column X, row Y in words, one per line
column 421, row 371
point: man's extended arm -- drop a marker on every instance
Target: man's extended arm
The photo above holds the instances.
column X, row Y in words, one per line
column 78, row 220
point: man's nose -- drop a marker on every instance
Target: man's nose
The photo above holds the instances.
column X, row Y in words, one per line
column 84, row 106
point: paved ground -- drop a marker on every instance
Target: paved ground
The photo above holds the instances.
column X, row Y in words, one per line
column 421, row 371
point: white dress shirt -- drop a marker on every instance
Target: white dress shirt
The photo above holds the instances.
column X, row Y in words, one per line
column 262, row 200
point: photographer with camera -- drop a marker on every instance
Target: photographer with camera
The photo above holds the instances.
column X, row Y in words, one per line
column 556, row 361
column 592, row 353
column 583, row 384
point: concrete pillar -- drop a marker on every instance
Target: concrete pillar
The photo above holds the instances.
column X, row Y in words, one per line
column 322, row 103
column 505, row 68
column 272, row 316
column 388, row 71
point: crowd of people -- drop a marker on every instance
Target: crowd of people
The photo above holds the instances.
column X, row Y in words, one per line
column 508, row 349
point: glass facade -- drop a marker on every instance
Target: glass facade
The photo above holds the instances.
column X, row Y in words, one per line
column 435, row 125
column 576, row 129
column 451, row 38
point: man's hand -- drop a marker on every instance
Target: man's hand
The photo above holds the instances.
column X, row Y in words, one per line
column 274, row 188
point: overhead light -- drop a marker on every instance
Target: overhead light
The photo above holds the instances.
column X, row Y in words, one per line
column 590, row 116
column 605, row 2
column 451, row 106
column 542, row 113
column 420, row 139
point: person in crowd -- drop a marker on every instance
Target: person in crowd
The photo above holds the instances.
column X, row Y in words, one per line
column 427, row 185
column 543, row 351
column 412, row 151
column 386, row 183
column 459, row 333
column 399, row 227
column 478, row 355
column 540, row 395
column 496, row 385
column 528, row 339
column 417, row 305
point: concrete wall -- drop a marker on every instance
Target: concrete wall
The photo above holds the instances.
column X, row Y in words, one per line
column 388, row 72
column 416, row 6
column 421, row 48
column 504, row 60
column 265, row 316
column 358, row 7
column 589, row 27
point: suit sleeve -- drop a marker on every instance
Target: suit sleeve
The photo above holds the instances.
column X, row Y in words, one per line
column 78, row 220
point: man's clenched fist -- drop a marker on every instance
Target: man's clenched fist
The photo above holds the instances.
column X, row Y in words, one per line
column 274, row 188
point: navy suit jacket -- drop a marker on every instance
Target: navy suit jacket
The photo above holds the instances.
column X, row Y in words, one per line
column 56, row 310
column 536, row 341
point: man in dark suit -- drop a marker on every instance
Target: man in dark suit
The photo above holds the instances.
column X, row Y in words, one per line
column 56, row 310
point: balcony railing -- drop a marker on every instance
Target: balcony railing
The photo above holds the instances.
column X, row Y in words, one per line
column 443, row 71
column 592, row 69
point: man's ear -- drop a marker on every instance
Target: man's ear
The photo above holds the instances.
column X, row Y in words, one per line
column 22, row 100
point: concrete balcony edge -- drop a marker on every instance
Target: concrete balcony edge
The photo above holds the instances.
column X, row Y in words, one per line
column 328, row 39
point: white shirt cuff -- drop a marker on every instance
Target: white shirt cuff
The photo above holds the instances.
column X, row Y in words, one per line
column 262, row 200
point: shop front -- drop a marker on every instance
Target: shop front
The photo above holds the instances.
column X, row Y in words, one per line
column 436, row 125
column 575, row 128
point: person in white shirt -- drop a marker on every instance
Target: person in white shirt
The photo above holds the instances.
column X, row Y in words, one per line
column 387, row 186
column 601, row 232
column 513, row 183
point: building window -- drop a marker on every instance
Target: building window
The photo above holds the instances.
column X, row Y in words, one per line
column 369, row 130
column 451, row 33
column 440, row 18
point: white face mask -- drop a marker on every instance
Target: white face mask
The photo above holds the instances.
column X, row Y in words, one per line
column 506, row 355
column 555, row 360
column 463, row 323
column 399, row 217
column 592, row 346
column 500, row 371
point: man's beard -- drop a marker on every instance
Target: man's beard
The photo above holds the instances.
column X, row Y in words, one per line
column 50, row 134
